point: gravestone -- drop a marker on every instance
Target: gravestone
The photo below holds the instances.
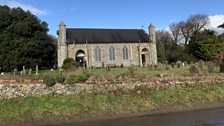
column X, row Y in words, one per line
column 172, row 65
column 30, row 72
column 194, row 69
column 201, row 64
column 15, row 71
column 103, row 65
column 210, row 67
column 36, row 69
column 24, row 70
column 178, row 63
column 185, row 63
column 155, row 67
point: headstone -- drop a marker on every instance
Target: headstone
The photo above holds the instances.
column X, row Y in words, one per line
column 178, row 64
column 52, row 69
column 30, row 72
column 36, row 69
column 194, row 69
column 108, row 68
column 155, row 67
column 167, row 67
column 160, row 65
column 122, row 65
column 15, row 71
column 2, row 74
column 201, row 64
column 103, row 64
column 210, row 67
column 185, row 63
column 24, row 70
column 21, row 72
column 172, row 65
column 150, row 67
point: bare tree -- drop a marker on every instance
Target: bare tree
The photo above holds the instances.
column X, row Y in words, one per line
column 186, row 29
column 163, row 39
column 175, row 31
column 198, row 21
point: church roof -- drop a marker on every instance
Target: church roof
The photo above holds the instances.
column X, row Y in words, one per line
column 83, row 35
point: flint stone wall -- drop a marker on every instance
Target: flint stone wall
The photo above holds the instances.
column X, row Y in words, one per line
column 23, row 88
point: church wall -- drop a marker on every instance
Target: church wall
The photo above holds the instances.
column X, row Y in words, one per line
column 133, row 53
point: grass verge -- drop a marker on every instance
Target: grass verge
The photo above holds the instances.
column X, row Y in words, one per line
column 116, row 102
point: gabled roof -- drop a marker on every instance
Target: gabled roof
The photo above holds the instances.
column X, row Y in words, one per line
column 78, row 35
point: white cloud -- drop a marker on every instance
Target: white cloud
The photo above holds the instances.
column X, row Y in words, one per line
column 26, row 7
column 215, row 21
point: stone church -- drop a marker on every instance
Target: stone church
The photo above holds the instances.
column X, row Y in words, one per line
column 107, row 47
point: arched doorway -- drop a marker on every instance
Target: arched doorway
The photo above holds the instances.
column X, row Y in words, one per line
column 145, row 56
column 80, row 58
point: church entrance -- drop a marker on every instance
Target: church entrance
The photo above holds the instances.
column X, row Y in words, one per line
column 145, row 57
column 80, row 58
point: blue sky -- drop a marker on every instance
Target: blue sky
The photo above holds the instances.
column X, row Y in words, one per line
column 119, row 13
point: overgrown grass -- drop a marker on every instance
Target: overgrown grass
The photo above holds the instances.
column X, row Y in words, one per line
column 114, row 102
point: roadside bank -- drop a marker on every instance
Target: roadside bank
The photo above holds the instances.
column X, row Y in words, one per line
column 108, row 104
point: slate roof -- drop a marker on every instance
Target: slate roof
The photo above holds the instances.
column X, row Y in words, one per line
column 78, row 35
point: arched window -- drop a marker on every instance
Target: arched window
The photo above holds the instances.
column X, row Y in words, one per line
column 112, row 53
column 125, row 53
column 97, row 54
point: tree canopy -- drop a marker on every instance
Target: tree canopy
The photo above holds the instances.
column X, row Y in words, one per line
column 189, row 40
column 24, row 40
column 205, row 45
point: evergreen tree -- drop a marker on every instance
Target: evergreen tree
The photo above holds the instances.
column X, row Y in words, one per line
column 24, row 40
column 205, row 45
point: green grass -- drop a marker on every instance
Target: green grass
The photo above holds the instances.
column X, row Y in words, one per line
column 116, row 102
column 82, row 74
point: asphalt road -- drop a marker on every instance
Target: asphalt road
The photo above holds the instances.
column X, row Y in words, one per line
column 208, row 117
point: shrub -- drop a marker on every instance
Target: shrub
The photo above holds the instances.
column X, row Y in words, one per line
column 49, row 80
column 131, row 70
column 82, row 77
column 60, row 78
column 69, row 63
column 73, row 78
